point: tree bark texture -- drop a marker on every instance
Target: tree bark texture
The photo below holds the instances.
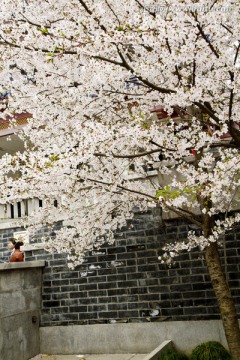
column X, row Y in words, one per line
column 225, row 301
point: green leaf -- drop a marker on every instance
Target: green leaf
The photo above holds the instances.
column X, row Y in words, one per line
column 43, row 30
column 120, row 28
column 160, row 193
column 53, row 157
column 168, row 193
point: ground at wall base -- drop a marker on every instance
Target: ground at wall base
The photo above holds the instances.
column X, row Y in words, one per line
column 154, row 355
column 91, row 357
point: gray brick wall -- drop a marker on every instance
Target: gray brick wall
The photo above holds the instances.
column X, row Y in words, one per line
column 5, row 236
column 125, row 282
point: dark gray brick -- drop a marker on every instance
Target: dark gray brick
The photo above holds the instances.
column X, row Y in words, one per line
column 128, row 280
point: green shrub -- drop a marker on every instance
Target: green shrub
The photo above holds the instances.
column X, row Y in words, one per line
column 173, row 355
column 211, row 350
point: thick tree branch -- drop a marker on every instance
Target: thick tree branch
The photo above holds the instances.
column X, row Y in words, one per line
column 25, row 19
column 227, row 28
column 128, row 156
column 194, row 73
column 206, row 38
column 145, row 8
column 111, row 9
column 234, row 132
column 123, row 93
column 91, row 13
column 185, row 214
column 168, row 46
column 144, row 81
column 231, row 98
column 5, row 42
column 123, row 188
column 207, row 110
column 98, row 57
column 237, row 52
column 161, row 147
column 137, row 192
column 132, row 156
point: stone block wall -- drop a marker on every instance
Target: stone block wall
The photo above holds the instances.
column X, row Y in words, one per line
column 125, row 282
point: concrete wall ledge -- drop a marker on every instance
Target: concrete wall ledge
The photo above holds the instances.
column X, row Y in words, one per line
column 22, row 265
column 138, row 338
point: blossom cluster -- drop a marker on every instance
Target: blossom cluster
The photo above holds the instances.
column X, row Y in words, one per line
column 89, row 73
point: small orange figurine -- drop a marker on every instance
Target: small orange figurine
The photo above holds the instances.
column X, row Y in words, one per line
column 17, row 255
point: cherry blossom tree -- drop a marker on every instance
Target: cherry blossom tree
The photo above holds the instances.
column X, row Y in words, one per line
column 93, row 74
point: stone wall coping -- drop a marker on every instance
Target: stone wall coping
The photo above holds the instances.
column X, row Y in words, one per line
column 31, row 247
column 22, row 265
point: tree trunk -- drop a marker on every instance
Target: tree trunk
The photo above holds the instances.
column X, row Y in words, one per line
column 225, row 300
